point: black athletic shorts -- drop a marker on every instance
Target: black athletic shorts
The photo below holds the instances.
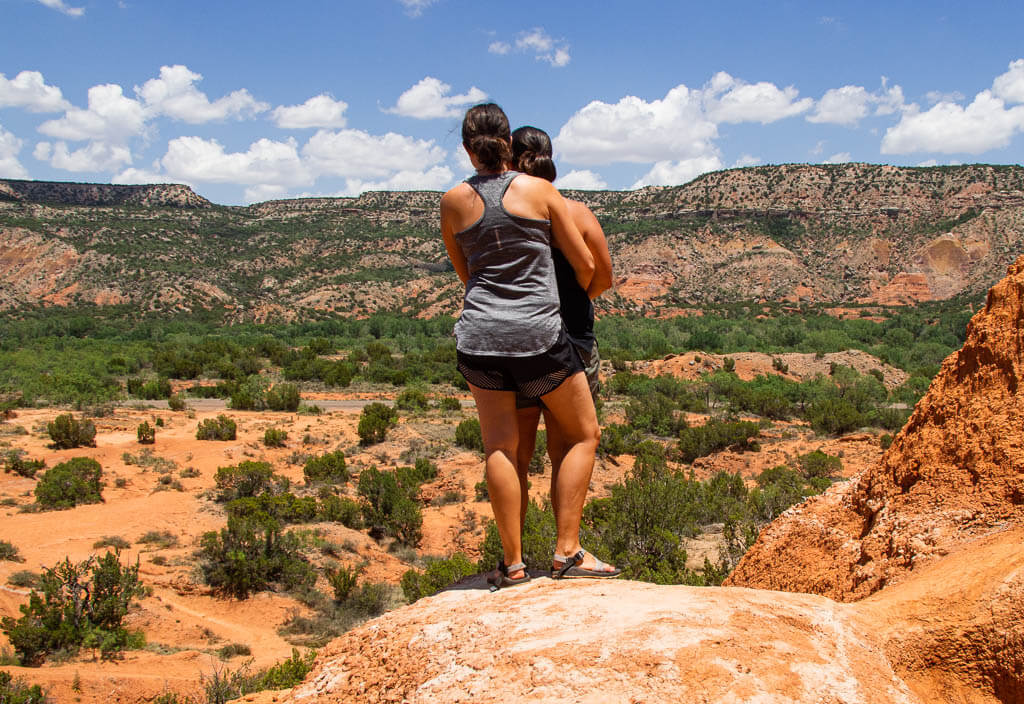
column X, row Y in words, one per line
column 530, row 376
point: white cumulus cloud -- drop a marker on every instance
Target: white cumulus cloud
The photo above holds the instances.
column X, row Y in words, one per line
column 430, row 99
column 95, row 156
column 111, row 117
column 1010, row 85
column 434, row 179
column 359, row 155
column 266, row 162
column 840, row 158
column 175, row 95
column 538, row 42
column 61, row 6
column 582, row 180
column 29, row 90
column 950, row 128
column 635, row 130
column 10, row 145
column 746, row 160
column 674, row 173
column 319, row 111
column 842, row 106
column 729, row 99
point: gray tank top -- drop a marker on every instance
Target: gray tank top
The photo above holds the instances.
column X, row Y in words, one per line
column 511, row 303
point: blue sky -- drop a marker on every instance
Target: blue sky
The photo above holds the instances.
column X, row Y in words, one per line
column 248, row 101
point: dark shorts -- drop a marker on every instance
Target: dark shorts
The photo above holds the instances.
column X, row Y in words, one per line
column 591, row 365
column 530, row 377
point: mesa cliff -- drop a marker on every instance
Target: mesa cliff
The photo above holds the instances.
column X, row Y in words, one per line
column 924, row 547
column 822, row 234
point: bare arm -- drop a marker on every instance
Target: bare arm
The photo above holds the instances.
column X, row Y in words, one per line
column 449, row 217
column 593, row 235
column 568, row 238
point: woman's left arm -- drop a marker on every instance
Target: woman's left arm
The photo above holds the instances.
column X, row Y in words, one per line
column 448, row 216
column 567, row 236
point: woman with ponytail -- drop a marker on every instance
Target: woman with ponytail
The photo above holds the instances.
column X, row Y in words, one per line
column 531, row 154
column 498, row 227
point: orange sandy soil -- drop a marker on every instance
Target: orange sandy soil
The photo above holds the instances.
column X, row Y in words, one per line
column 183, row 622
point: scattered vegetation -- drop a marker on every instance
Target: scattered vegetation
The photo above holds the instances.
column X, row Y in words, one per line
column 69, row 484
column 374, row 422
column 68, row 432
column 76, row 605
column 219, row 428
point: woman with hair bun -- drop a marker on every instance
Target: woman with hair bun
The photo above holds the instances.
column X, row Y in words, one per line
column 498, row 227
column 531, row 154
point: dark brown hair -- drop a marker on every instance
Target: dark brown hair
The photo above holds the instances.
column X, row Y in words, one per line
column 485, row 132
column 531, row 153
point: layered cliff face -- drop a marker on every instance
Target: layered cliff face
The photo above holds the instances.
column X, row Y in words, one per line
column 163, row 195
column 825, row 233
column 954, row 473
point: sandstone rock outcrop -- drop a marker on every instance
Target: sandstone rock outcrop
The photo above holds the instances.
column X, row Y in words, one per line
column 609, row 642
column 955, row 472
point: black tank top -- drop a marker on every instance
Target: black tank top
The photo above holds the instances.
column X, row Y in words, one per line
column 576, row 308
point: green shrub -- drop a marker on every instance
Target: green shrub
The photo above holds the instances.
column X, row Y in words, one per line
column 80, row 605
column 481, row 491
column 714, row 435
column 885, row 442
column 67, row 432
column 412, row 400
column 468, row 435
column 233, row 650
column 339, row 509
column 818, row 465
column 9, row 552
column 834, row 416
column 176, row 403
column 374, row 422
column 16, row 691
column 275, row 437
column 146, row 433
column 410, row 478
column 343, row 581
column 248, row 556
column 23, row 578
column 438, row 575
column 619, row 439
column 388, row 509
column 540, row 453
column 283, row 397
column 729, row 364
column 219, row 428
column 112, row 541
column 449, row 404
column 159, row 538
column 328, row 467
column 15, row 463
column 69, row 484
column 245, row 479
column 288, row 673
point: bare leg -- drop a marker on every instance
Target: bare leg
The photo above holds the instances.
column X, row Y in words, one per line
column 556, row 453
column 498, row 425
column 573, row 410
column 528, row 418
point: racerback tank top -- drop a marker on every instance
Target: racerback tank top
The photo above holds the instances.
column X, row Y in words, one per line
column 510, row 307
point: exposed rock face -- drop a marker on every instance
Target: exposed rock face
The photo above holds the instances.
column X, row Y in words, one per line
column 609, row 642
column 173, row 195
column 955, row 472
column 801, row 233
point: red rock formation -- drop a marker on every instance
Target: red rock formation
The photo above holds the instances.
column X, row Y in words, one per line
column 954, row 473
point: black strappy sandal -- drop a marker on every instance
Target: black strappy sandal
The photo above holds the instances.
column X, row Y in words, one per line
column 502, row 579
column 571, row 568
